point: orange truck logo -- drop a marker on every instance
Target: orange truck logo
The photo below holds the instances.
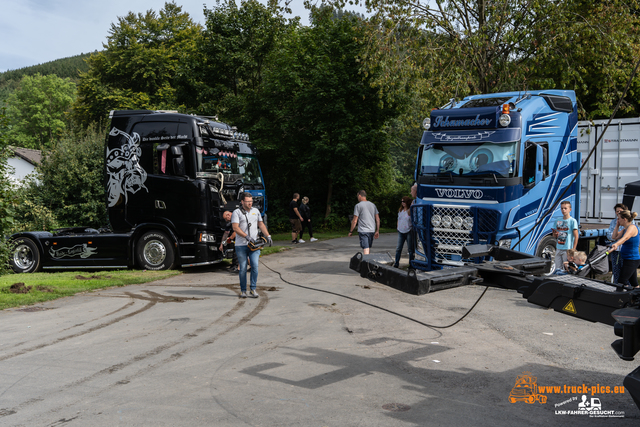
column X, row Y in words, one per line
column 526, row 390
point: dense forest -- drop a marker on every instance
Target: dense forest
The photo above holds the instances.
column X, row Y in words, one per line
column 70, row 68
column 333, row 107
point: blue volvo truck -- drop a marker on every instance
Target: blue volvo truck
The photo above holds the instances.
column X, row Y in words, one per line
column 488, row 168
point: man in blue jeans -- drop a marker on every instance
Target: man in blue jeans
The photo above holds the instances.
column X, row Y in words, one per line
column 246, row 220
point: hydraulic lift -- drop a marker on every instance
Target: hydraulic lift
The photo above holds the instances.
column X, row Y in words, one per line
column 588, row 299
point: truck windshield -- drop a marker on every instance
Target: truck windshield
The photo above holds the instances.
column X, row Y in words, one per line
column 469, row 159
column 211, row 161
column 250, row 169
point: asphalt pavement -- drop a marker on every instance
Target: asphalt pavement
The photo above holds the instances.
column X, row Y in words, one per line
column 320, row 347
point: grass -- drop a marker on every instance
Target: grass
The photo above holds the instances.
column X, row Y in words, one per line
column 268, row 250
column 324, row 235
column 50, row 286
column 54, row 285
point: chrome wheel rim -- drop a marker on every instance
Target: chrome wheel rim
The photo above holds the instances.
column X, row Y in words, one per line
column 23, row 257
column 154, row 252
column 549, row 252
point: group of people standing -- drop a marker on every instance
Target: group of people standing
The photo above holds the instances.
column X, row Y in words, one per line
column 300, row 218
column 623, row 238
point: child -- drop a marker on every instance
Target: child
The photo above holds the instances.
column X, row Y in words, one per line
column 570, row 258
column 566, row 233
column 579, row 260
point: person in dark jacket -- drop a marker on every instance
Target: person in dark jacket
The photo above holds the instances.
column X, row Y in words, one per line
column 305, row 211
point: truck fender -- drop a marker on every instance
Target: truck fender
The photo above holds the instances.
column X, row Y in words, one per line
column 33, row 235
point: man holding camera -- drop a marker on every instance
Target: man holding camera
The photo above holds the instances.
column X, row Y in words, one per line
column 246, row 220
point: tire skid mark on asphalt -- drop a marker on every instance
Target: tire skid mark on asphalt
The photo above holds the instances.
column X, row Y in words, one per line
column 231, row 286
column 157, row 350
column 77, row 334
column 262, row 303
column 152, row 300
column 124, row 307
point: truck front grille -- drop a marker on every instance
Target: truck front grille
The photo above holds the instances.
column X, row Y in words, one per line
column 459, row 226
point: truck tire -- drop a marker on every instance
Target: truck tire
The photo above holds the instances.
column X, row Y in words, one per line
column 25, row 256
column 154, row 251
column 547, row 249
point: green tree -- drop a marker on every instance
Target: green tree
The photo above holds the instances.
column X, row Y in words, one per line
column 6, row 195
column 138, row 67
column 484, row 46
column 38, row 111
column 70, row 190
column 322, row 125
column 228, row 64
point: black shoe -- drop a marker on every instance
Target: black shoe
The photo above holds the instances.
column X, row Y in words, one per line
column 294, row 242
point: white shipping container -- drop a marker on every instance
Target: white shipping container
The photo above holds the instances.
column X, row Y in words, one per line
column 615, row 163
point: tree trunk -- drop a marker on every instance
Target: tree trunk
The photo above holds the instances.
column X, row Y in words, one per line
column 329, row 191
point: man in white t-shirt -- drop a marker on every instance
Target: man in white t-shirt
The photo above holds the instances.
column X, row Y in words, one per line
column 246, row 220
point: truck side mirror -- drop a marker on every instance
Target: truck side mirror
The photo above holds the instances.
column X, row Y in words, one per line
column 178, row 161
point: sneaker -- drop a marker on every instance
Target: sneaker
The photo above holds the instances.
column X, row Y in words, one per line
column 302, row 241
column 253, row 293
column 313, row 239
column 243, row 294
column 294, row 242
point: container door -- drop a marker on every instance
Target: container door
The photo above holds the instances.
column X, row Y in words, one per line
column 618, row 163
column 586, row 140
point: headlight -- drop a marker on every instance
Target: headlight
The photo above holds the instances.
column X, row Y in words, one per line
column 505, row 243
column 436, row 220
column 505, row 119
column 208, row 238
column 457, row 222
column 446, row 221
column 426, row 123
column 468, row 223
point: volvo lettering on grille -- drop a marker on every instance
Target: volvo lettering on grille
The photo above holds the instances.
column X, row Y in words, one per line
column 452, row 193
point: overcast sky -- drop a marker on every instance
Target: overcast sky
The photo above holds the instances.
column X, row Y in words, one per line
column 37, row 31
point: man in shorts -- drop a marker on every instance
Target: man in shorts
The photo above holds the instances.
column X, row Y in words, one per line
column 295, row 218
column 367, row 217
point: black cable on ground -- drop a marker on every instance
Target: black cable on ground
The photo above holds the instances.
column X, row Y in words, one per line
column 377, row 306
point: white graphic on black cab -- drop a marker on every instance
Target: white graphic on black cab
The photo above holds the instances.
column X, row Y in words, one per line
column 125, row 175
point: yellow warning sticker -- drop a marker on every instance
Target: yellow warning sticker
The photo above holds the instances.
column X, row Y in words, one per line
column 570, row 307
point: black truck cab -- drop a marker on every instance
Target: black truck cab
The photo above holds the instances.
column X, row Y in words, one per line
column 168, row 179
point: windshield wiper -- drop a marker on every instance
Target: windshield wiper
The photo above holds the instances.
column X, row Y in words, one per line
column 450, row 175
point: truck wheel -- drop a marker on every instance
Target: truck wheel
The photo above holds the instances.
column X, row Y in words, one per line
column 154, row 251
column 25, row 256
column 547, row 249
